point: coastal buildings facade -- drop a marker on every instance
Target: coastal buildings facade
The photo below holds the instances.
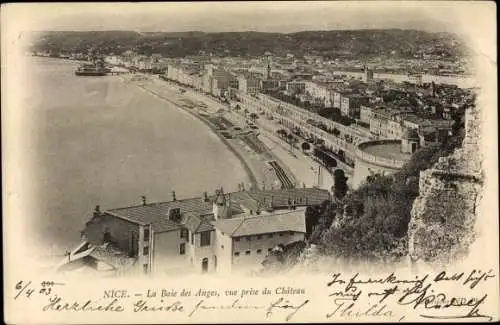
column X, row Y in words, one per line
column 350, row 104
column 249, row 83
column 354, row 99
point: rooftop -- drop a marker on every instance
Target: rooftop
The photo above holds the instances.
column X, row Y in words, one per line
column 192, row 209
column 251, row 225
column 112, row 256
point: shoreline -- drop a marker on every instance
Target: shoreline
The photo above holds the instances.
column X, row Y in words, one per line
column 299, row 168
column 248, row 170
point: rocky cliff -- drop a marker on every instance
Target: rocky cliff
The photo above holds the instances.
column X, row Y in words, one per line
column 443, row 216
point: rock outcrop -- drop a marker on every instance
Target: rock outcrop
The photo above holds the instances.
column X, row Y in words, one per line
column 443, row 216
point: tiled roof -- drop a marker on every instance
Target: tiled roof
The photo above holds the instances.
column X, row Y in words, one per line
column 244, row 199
column 197, row 223
column 261, row 224
column 280, row 197
column 112, row 256
column 191, row 221
column 227, row 226
column 157, row 213
column 205, row 225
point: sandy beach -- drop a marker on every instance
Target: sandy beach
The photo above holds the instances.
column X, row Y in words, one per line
column 296, row 163
column 260, row 172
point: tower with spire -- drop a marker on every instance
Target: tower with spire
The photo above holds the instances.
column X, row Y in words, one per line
column 221, row 206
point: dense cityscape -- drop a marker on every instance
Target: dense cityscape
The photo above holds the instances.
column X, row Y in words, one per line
column 373, row 118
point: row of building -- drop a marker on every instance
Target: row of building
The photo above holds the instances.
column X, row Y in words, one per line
column 138, row 62
column 221, row 82
column 390, row 123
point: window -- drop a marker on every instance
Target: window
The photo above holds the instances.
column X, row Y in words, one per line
column 236, row 253
column 291, row 233
column 249, row 238
column 259, row 251
column 237, row 239
column 184, row 233
column 270, row 236
column 146, row 234
column 269, row 249
column 145, row 268
column 192, row 239
column 205, row 238
column 182, row 249
column 259, row 237
column 281, row 234
column 247, row 253
column 145, row 251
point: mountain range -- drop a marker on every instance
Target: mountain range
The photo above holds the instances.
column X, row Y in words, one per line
column 365, row 43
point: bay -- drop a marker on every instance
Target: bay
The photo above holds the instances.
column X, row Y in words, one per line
column 101, row 141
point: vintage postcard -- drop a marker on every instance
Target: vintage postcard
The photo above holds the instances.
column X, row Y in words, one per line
column 250, row 162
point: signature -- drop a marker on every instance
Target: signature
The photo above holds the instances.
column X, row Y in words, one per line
column 347, row 310
column 419, row 296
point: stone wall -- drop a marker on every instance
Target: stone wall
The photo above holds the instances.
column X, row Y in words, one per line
column 442, row 225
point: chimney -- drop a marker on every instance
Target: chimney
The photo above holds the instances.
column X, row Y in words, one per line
column 173, row 196
column 229, row 205
column 143, row 199
column 97, row 211
column 205, row 197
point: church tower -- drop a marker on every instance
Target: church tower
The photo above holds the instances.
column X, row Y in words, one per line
column 221, row 206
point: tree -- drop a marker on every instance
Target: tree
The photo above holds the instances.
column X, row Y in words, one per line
column 312, row 215
column 340, row 184
column 306, row 146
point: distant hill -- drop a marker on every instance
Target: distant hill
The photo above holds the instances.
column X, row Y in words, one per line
column 331, row 44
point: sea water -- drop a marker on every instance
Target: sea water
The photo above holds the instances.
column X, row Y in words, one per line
column 102, row 141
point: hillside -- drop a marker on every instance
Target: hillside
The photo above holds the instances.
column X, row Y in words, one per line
column 331, row 44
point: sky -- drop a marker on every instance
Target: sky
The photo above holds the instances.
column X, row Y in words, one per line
column 284, row 17
column 473, row 21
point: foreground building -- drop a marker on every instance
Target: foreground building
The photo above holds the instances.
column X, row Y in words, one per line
column 220, row 233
